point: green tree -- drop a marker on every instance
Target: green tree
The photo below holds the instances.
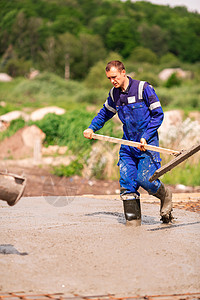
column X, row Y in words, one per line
column 20, row 30
column 170, row 60
column 6, row 23
column 141, row 54
column 154, row 38
column 96, row 77
column 92, row 49
column 69, row 52
column 122, row 36
column 49, row 56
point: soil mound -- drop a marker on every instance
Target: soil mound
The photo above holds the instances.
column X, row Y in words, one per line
column 21, row 144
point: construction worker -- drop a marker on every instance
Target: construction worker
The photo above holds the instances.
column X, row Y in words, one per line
column 140, row 112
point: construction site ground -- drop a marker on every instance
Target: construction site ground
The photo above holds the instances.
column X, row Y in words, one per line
column 69, row 237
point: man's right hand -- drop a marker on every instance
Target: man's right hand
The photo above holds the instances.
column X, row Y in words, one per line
column 88, row 133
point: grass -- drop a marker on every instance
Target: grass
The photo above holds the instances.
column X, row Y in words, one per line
column 15, row 125
column 187, row 174
column 74, row 168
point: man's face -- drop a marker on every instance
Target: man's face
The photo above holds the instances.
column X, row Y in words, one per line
column 116, row 77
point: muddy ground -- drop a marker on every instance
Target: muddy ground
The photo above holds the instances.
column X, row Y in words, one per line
column 80, row 244
column 83, row 246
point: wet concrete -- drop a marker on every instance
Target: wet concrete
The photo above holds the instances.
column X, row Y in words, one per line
column 82, row 245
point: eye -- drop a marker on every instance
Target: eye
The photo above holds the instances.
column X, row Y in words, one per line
column 112, row 77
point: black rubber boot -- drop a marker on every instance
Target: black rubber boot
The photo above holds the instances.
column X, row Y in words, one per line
column 132, row 209
column 165, row 196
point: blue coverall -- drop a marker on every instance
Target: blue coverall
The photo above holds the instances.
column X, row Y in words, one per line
column 141, row 114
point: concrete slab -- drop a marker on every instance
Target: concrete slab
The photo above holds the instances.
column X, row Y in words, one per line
column 82, row 245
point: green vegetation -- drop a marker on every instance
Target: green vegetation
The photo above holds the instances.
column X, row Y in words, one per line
column 51, row 34
column 187, row 174
column 74, row 168
column 66, row 129
column 82, row 36
column 15, row 125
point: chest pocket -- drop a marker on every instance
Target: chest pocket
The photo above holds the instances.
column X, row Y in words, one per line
column 135, row 113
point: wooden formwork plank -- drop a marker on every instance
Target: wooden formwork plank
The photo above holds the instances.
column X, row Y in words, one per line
column 174, row 162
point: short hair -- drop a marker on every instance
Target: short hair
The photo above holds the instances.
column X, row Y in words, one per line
column 115, row 63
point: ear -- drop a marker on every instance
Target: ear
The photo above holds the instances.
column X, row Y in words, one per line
column 123, row 72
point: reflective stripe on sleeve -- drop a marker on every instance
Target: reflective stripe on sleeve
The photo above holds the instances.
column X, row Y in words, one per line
column 154, row 105
column 110, row 108
column 140, row 90
column 111, row 94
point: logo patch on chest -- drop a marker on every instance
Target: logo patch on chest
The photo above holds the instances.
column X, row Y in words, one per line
column 131, row 99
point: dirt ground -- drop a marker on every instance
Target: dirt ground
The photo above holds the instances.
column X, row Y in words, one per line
column 39, row 178
column 40, row 182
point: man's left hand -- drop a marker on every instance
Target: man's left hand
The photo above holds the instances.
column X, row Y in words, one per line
column 143, row 143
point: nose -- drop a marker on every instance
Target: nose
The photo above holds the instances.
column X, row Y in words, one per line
column 112, row 80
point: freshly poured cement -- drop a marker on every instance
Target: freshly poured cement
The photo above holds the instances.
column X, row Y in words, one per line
column 83, row 246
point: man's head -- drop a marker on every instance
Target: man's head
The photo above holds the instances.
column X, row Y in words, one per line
column 116, row 73
column 115, row 63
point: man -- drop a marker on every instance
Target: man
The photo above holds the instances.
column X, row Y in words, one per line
column 140, row 112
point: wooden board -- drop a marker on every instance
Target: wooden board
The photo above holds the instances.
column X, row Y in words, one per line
column 174, row 162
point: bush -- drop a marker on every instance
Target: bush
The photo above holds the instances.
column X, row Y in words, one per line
column 176, row 97
column 188, row 174
column 17, row 67
column 173, row 80
column 15, row 125
column 74, row 168
column 149, row 77
column 141, row 54
column 164, row 96
column 91, row 96
column 169, row 60
column 66, row 129
column 97, row 77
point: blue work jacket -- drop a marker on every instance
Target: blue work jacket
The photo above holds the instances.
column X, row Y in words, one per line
column 139, row 110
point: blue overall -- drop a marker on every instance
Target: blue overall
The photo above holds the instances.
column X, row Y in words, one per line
column 141, row 114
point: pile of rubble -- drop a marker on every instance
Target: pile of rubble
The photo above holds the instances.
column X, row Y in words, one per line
column 179, row 133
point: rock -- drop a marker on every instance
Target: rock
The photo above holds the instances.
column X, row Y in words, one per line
column 31, row 134
column 194, row 115
column 102, row 159
column 53, row 149
column 57, row 161
column 13, row 115
column 166, row 73
column 168, row 130
column 183, row 188
column 33, row 74
column 178, row 134
column 2, row 103
column 41, row 112
column 5, row 77
column 4, row 125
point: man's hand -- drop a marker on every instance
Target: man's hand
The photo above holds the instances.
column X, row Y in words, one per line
column 143, row 143
column 88, row 133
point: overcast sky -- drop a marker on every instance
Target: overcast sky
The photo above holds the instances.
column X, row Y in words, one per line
column 192, row 5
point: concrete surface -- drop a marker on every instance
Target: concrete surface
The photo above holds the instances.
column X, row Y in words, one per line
column 82, row 245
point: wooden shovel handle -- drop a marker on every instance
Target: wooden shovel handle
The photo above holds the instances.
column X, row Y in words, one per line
column 133, row 144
